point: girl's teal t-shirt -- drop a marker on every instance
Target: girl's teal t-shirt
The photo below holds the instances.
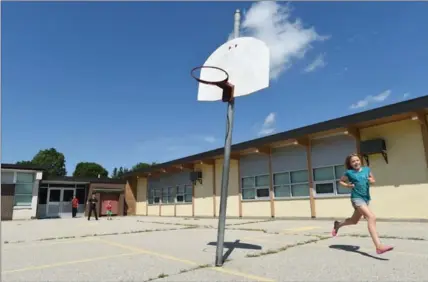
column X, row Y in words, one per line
column 360, row 179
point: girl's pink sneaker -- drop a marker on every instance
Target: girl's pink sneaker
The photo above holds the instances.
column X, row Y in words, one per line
column 384, row 249
column 335, row 229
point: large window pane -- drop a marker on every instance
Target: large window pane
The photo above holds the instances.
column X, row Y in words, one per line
column 67, row 195
column 339, row 170
column 262, row 181
column 248, row 194
column 23, row 200
column 188, row 189
column 24, row 177
column 188, row 198
column 170, row 191
column 300, row 190
column 54, row 195
column 7, row 177
column 341, row 189
column 248, row 182
column 325, row 188
column 282, row 191
column 24, row 188
column 80, row 195
column 180, row 189
column 281, row 178
column 299, row 176
column 150, row 200
column 171, row 199
column 263, row 193
column 324, row 173
column 180, row 198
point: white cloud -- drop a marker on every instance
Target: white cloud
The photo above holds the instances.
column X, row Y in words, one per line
column 319, row 62
column 210, row 139
column 288, row 40
column 268, row 126
column 371, row 100
column 406, row 95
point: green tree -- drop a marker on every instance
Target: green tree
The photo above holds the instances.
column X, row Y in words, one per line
column 88, row 169
column 140, row 166
column 114, row 173
column 52, row 160
column 25, row 163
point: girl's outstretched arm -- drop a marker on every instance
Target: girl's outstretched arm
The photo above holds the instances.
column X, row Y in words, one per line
column 372, row 180
column 344, row 181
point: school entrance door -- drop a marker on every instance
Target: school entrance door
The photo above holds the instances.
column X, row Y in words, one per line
column 59, row 202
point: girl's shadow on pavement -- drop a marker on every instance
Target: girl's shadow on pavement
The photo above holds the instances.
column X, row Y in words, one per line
column 354, row 249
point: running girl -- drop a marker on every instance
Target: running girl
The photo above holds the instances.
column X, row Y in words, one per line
column 358, row 178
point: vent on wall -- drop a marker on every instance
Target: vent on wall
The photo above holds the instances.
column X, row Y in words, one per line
column 372, row 147
column 196, row 176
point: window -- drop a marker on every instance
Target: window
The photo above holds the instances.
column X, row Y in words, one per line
column 24, row 188
column 326, row 180
column 184, row 194
column 291, row 184
column 157, row 194
column 154, row 195
column 255, row 187
column 81, row 195
column 7, row 177
column 168, row 195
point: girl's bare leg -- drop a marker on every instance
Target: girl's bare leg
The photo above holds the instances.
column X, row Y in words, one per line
column 354, row 219
column 371, row 222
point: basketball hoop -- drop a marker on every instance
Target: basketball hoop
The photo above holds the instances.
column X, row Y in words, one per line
column 222, row 83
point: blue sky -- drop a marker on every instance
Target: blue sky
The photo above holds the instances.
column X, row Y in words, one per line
column 109, row 82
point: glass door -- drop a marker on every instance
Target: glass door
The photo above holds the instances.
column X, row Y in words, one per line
column 54, row 203
column 67, row 196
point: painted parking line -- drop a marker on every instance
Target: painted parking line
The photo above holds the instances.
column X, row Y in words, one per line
column 300, row 229
column 189, row 262
column 240, row 274
column 44, row 266
column 147, row 252
column 7, row 247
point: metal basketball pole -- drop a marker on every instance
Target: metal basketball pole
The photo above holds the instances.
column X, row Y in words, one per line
column 226, row 166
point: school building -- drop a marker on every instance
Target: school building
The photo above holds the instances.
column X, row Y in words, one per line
column 19, row 191
column 27, row 193
column 294, row 174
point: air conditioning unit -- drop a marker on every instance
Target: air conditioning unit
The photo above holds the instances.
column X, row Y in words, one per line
column 372, row 147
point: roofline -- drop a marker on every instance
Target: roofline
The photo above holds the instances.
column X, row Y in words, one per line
column 22, row 167
column 82, row 180
column 412, row 105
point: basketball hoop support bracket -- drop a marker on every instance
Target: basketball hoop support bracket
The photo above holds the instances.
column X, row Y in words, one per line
column 228, row 90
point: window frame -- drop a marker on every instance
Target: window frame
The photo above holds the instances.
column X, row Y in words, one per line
column 30, row 194
column 183, row 194
column 290, row 184
column 170, row 194
column 334, row 182
column 255, row 187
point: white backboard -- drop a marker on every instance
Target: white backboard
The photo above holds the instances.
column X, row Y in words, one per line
column 246, row 60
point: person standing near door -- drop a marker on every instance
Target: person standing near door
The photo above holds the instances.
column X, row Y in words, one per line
column 74, row 206
column 92, row 202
